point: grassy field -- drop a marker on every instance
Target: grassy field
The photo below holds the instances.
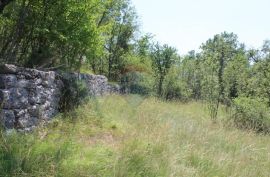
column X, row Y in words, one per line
column 131, row 136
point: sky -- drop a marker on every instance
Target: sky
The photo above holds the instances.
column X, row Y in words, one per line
column 186, row 24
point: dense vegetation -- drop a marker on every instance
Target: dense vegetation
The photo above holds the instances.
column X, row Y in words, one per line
column 129, row 136
column 103, row 37
column 157, row 139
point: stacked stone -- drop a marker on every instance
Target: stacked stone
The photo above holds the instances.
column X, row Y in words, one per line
column 98, row 85
column 27, row 96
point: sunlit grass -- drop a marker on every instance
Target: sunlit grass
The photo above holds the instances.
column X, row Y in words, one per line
column 126, row 136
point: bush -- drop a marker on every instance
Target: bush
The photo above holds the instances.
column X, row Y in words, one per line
column 174, row 88
column 137, row 83
column 251, row 113
column 74, row 93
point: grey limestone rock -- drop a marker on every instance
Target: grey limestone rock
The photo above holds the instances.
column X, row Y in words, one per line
column 7, row 81
column 30, row 96
column 8, row 69
column 7, row 119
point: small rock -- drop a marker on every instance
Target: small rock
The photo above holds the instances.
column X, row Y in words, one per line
column 7, row 119
column 7, row 81
column 8, row 69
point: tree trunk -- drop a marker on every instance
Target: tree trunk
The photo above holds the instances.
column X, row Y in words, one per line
column 220, row 76
column 160, row 84
column 110, row 68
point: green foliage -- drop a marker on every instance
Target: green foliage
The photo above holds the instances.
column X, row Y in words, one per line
column 163, row 58
column 102, row 36
column 121, row 27
column 74, row 94
column 236, row 76
column 136, row 63
column 260, row 82
column 137, row 83
column 174, row 87
column 67, row 33
column 217, row 53
column 143, row 46
column 36, row 38
column 191, row 75
column 251, row 113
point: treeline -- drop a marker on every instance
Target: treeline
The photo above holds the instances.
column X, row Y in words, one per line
column 223, row 73
column 226, row 73
column 104, row 37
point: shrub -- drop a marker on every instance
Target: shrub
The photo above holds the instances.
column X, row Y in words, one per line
column 174, row 87
column 74, row 93
column 251, row 113
column 137, row 83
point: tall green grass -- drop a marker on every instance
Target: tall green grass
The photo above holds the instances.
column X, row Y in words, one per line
column 132, row 136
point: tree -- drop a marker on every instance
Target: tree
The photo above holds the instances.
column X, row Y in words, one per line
column 117, row 26
column 236, row 76
column 216, row 54
column 143, row 46
column 119, row 38
column 259, row 83
column 163, row 57
column 50, row 33
column 190, row 74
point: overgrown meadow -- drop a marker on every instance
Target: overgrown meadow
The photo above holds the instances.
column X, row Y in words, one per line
column 203, row 113
column 136, row 136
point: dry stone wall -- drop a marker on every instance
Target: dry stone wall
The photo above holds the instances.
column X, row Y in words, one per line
column 29, row 97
